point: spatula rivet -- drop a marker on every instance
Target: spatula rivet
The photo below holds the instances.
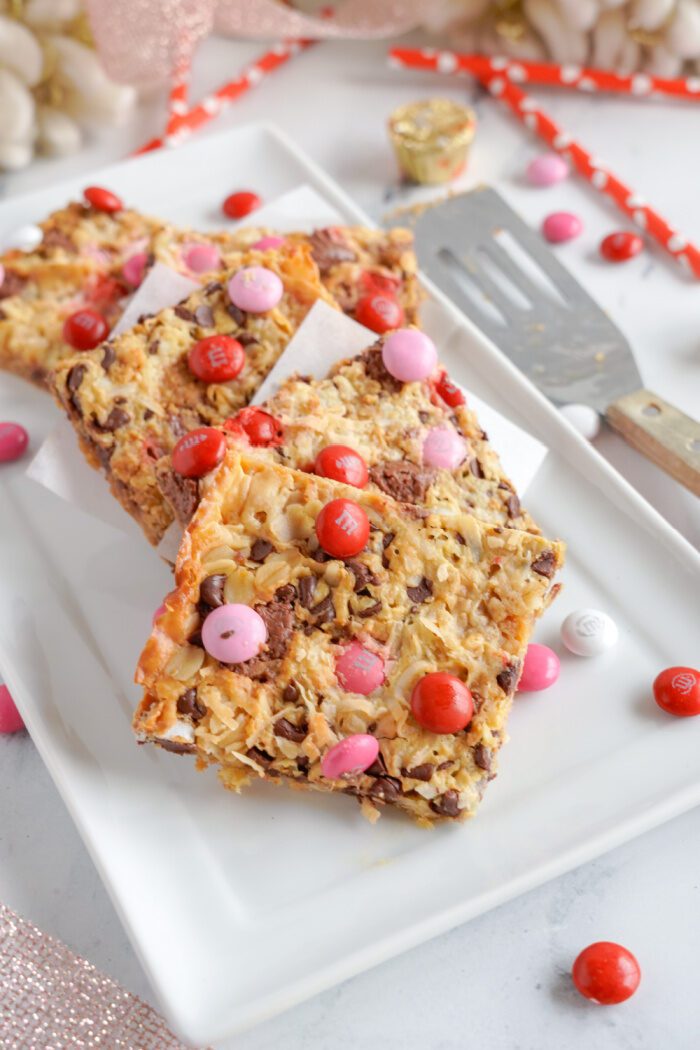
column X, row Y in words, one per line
column 651, row 410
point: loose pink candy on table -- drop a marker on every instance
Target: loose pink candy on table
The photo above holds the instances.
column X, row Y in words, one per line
column 134, row 268
column 409, row 355
column 201, row 258
column 540, row 669
column 13, row 441
column 359, row 670
column 234, row 633
column 546, row 170
column 444, row 448
column 10, row 718
column 561, row 226
column 267, row 243
column 350, row 756
column 255, row 289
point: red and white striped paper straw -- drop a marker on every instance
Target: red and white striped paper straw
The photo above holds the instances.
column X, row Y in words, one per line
column 600, row 177
column 579, row 78
column 179, row 92
column 180, row 127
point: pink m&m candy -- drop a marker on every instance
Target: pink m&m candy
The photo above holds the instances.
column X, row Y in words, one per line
column 234, row 633
column 561, row 226
column 409, row 355
column 540, row 669
column 10, row 718
column 255, row 289
column 546, row 170
column 267, row 243
column 134, row 268
column 13, row 441
column 201, row 258
column 359, row 670
column 2, row 274
column 444, row 448
column 350, row 757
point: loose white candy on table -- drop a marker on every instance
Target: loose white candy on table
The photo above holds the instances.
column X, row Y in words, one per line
column 27, row 238
column 588, row 632
column 584, row 418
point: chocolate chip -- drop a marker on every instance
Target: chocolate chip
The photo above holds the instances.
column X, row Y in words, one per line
column 288, row 731
column 402, row 480
column 181, row 493
column 372, row 610
column 183, row 313
column 286, row 593
column 213, row 286
column 446, row 805
column 508, row 678
column 189, row 704
column 148, row 414
column 108, row 357
column 144, row 317
column 278, row 617
column 482, row 757
column 388, row 538
column 385, row 789
column 290, row 693
column 420, row 593
column 12, row 284
column 261, row 757
column 154, row 347
column 260, row 550
column 303, row 764
column 117, row 418
column 204, row 316
column 424, row 416
column 476, row 468
column 324, row 612
column 328, row 248
column 211, row 590
column 362, row 573
column 375, row 368
column 513, row 506
column 378, row 767
column 246, row 338
column 307, row 589
column 422, row 772
column 545, row 564
column 75, row 377
column 177, row 748
column 236, row 313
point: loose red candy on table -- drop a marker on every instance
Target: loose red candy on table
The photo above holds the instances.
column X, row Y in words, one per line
column 13, row 441
column 239, row 204
column 442, row 703
column 621, row 246
column 102, row 199
column 198, row 452
column 541, row 668
column 342, row 528
column 606, row 973
column 449, row 391
column 262, row 429
column 341, row 463
column 216, row 359
column 85, row 329
column 380, row 312
column 10, row 718
column 677, row 691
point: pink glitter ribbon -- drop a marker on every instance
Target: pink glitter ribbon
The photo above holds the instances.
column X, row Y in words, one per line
column 145, row 45
column 50, row 997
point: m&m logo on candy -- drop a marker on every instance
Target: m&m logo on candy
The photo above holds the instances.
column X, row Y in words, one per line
column 198, row 452
column 342, row 528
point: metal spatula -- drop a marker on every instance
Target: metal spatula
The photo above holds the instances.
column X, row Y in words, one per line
column 500, row 272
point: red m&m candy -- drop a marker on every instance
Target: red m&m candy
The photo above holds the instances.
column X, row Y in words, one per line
column 85, row 329
column 380, row 312
column 441, row 703
column 619, row 247
column 216, row 359
column 606, row 973
column 241, row 203
column 261, row 428
column 448, row 391
column 342, row 528
column 102, row 199
column 342, row 464
column 10, row 718
column 677, row 690
column 13, row 441
column 198, row 452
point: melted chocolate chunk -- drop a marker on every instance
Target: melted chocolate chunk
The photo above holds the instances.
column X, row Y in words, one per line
column 513, row 505
column 378, row 767
column 545, row 564
column 290, row 693
column 75, row 378
column 375, row 368
column 204, row 316
column 190, row 706
column 446, row 805
column 211, row 590
column 181, row 493
column 117, row 418
column 402, row 480
column 183, row 313
column 324, row 612
column 328, row 248
column 371, row 610
column 482, row 757
column 108, row 357
column 213, row 286
column 508, row 678
column 278, row 616
column 12, row 284
column 307, row 589
column 260, row 550
column 177, row 748
column 236, row 313
column 420, row 593
column 385, row 789
column 261, row 757
column 421, row 772
column 362, row 573
column 476, row 468
column 287, row 730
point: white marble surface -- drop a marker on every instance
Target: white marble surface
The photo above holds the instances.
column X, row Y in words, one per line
column 501, row 980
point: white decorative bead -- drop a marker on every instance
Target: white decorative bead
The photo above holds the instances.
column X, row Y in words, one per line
column 588, row 632
column 583, row 418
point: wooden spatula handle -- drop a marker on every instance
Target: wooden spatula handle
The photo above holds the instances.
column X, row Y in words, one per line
column 662, row 433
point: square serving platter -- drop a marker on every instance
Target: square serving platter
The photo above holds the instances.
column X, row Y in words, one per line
column 239, row 907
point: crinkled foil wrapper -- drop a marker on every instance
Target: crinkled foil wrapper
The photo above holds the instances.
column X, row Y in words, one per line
column 51, row 999
column 140, row 42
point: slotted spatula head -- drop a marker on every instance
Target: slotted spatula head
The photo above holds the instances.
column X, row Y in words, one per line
column 502, row 275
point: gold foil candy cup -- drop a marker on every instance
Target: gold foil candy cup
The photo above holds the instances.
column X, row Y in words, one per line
column 431, row 139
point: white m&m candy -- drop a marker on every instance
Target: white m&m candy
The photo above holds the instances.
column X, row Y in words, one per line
column 27, row 238
column 588, row 632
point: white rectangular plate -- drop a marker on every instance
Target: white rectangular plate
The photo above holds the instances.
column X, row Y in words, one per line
column 240, row 907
